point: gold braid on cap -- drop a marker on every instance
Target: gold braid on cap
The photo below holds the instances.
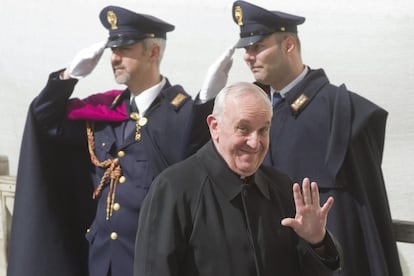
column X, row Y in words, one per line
column 113, row 171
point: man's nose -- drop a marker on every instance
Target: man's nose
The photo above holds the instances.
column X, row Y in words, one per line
column 248, row 55
column 253, row 140
column 115, row 56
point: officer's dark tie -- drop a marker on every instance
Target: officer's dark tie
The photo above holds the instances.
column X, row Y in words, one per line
column 276, row 98
column 134, row 107
column 131, row 124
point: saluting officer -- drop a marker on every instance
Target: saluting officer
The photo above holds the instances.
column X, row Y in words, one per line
column 322, row 131
column 122, row 139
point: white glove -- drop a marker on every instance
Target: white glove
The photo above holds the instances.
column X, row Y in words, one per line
column 86, row 60
column 217, row 75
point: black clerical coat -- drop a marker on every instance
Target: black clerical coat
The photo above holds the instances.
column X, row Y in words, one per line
column 201, row 219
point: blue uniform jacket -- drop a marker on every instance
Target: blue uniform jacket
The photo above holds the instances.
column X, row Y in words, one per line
column 64, row 178
column 336, row 138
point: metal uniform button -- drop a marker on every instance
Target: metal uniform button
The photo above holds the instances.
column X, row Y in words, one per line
column 117, row 206
column 114, row 236
column 121, row 153
column 122, row 179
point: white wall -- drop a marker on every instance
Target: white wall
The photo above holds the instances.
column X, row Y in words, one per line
column 366, row 44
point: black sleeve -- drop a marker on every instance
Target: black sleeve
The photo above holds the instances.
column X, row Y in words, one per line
column 314, row 264
column 161, row 236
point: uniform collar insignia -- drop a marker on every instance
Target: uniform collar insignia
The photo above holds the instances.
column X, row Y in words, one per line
column 178, row 100
column 300, row 102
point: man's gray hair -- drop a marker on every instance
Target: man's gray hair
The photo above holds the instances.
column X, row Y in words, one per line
column 235, row 90
column 161, row 42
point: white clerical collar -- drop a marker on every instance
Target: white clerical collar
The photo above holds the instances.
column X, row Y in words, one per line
column 146, row 97
column 288, row 87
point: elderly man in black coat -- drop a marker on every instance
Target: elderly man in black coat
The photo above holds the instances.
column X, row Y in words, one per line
column 220, row 212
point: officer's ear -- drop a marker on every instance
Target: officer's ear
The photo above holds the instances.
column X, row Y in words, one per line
column 155, row 52
column 289, row 43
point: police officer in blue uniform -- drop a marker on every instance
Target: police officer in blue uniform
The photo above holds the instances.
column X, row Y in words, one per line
column 118, row 140
column 325, row 132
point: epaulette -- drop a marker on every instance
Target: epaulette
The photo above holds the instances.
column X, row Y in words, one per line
column 176, row 96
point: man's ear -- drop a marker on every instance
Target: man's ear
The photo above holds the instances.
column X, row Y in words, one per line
column 213, row 126
column 290, row 44
column 155, row 52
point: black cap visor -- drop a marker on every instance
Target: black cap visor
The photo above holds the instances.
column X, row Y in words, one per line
column 249, row 40
column 123, row 40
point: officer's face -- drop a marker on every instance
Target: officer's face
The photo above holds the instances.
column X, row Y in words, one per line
column 241, row 132
column 267, row 61
column 131, row 64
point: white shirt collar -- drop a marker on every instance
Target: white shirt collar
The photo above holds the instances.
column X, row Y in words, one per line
column 146, row 97
column 288, row 87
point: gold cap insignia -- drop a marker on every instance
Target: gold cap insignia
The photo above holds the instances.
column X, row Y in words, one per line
column 238, row 14
column 112, row 20
column 299, row 102
column 282, row 29
column 178, row 99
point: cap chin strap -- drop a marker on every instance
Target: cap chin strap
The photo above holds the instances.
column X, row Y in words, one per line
column 262, row 33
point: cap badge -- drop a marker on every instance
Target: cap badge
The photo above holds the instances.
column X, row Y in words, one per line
column 282, row 29
column 112, row 20
column 238, row 14
column 299, row 102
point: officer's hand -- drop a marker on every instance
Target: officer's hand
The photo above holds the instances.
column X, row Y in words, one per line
column 217, row 75
column 85, row 60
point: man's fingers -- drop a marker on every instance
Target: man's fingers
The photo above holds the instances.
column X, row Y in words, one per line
column 297, row 196
column 290, row 222
column 327, row 206
column 315, row 193
column 306, row 193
